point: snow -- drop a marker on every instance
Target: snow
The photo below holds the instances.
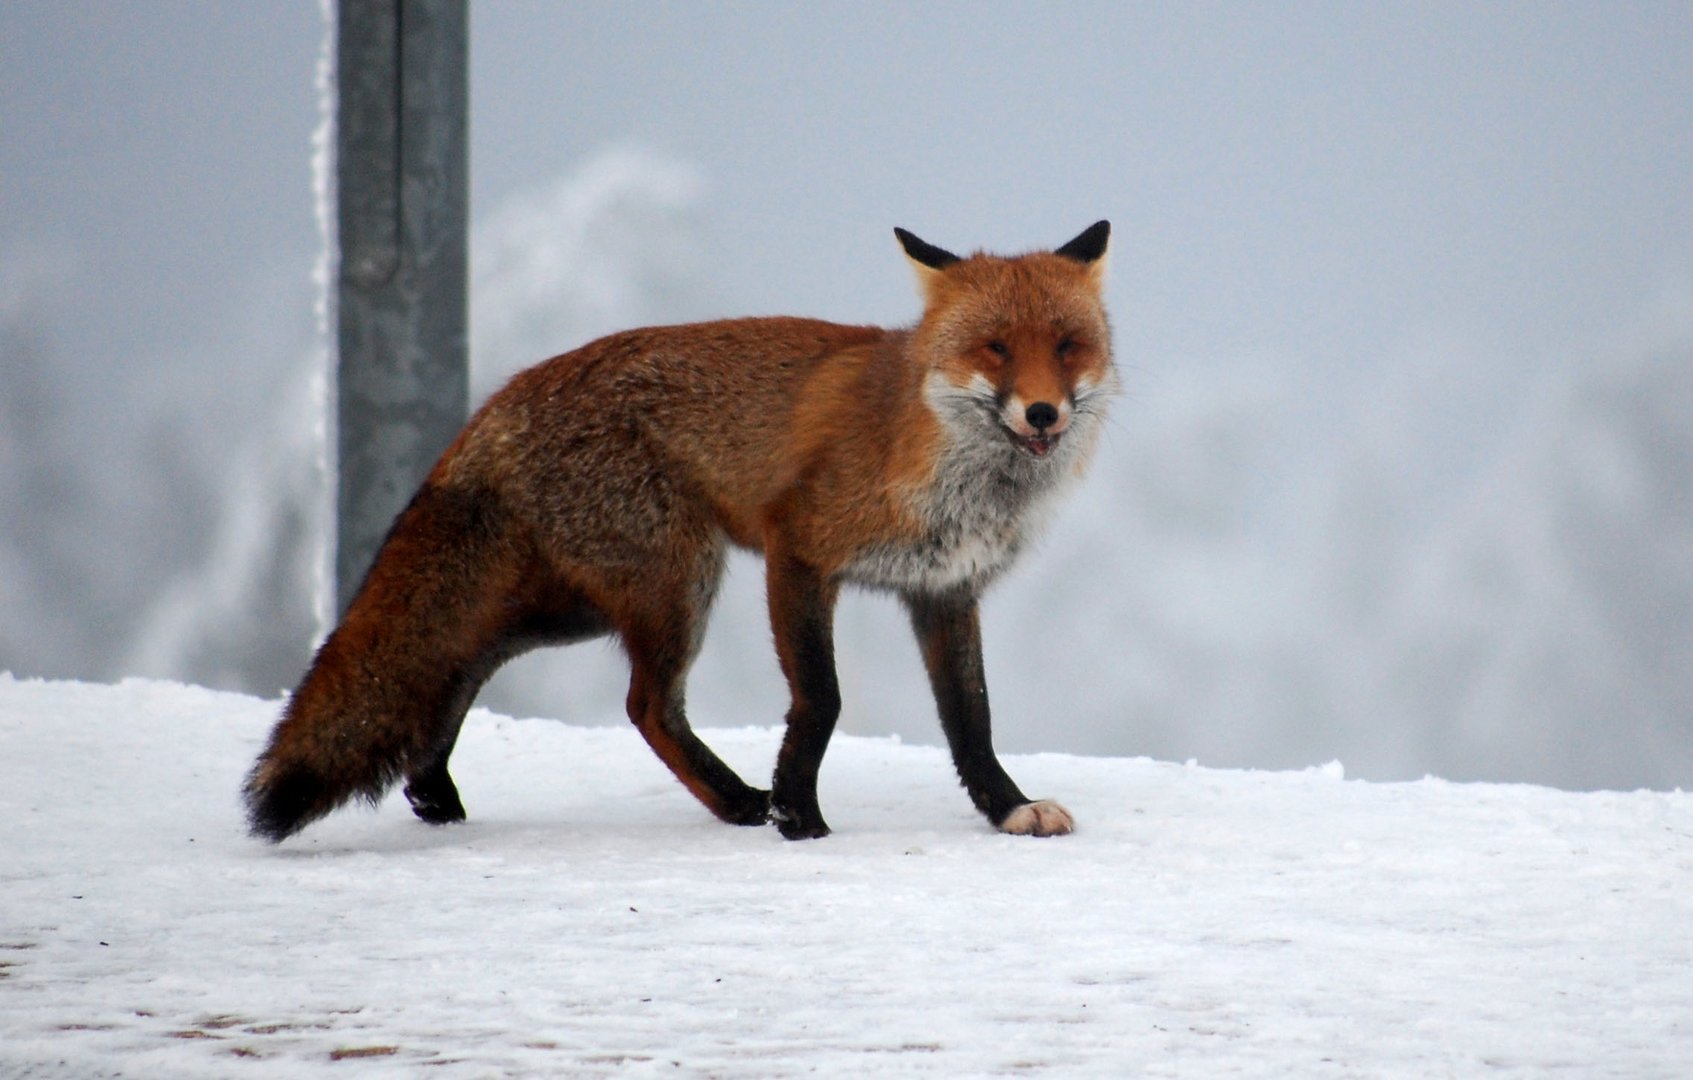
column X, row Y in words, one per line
column 592, row 920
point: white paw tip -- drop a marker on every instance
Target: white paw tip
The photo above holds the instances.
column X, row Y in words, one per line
column 1043, row 818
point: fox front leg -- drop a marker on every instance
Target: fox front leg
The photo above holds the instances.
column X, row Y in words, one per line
column 802, row 612
column 949, row 632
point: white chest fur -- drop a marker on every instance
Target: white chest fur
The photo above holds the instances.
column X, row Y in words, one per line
column 986, row 502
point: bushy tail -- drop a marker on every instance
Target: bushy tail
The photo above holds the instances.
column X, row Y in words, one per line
column 329, row 747
column 385, row 695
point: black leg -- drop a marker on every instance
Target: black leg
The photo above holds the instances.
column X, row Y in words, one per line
column 802, row 608
column 433, row 796
column 430, row 790
column 560, row 618
column 949, row 632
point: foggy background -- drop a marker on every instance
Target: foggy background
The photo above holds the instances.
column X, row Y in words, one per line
column 1403, row 299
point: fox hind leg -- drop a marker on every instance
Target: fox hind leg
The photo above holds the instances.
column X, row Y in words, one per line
column 662, row 639
column 429, row 789
column 433, row 795
column 656, row 708
column 555, row 616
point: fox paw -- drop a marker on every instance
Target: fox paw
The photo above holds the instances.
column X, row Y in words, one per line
column 752, row 807
column 1043, row 818
column 798, row 824
column 434, row 799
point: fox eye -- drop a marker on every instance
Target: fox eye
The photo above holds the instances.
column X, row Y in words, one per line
column 999, row 349
column 1064, row 348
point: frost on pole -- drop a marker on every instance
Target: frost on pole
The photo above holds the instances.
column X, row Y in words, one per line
column 401, row 178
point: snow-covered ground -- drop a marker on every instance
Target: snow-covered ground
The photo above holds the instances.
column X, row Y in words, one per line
column 592, row 920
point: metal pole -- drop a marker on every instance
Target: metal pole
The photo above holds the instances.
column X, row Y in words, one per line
column 402, row 203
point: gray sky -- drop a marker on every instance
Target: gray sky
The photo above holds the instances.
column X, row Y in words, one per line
column 1309, row 179
column 162, row 149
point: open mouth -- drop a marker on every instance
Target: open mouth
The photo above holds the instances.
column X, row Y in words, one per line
column 1037, row 445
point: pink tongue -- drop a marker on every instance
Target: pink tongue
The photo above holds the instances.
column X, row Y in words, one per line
column 1039, row 445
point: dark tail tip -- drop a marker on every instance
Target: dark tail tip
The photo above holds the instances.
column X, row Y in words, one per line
column 284, row 802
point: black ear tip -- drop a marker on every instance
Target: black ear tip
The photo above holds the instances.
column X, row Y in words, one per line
column 1090, row 245
column 929, row 255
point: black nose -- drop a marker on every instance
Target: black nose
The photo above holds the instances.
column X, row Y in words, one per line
column 1041, row 416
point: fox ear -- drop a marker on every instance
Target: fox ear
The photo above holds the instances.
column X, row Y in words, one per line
column 927, row 259
column 922, row 252
column 1089, row 249
column 1090, row 245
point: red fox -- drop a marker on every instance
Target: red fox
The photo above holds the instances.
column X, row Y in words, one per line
column 596, row 494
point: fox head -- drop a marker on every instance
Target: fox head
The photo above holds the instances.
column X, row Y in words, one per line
column 1017, row 349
